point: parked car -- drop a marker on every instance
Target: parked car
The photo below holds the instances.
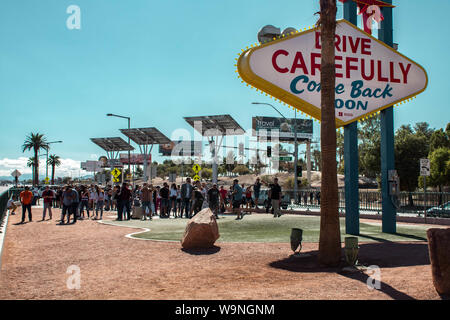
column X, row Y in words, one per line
column 264, row 200
column 442, row 211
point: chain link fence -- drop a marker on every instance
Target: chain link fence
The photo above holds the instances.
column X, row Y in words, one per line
column 3, row 202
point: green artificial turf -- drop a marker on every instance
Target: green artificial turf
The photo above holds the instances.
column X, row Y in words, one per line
column 265, row 228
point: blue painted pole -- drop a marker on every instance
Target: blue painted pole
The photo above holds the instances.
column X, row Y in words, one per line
column 351, row 155
column 389, row 217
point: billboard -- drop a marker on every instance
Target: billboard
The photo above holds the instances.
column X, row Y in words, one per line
column 91, row 166
column 181, row 149
column 134, row 158
column 263, row 126
column 370, row 75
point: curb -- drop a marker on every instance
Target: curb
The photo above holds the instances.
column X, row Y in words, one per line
column 130, row 235
column 2, row 236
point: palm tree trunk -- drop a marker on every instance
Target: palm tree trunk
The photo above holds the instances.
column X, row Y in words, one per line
column 53, row 174
column 330, row 237
column 36, row 168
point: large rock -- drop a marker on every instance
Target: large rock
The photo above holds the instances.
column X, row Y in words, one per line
column 201, row 231
column 439, row 248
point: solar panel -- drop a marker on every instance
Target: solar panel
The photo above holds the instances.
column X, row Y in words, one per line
column 219, row 125
column 146, row 136
column 112, row 144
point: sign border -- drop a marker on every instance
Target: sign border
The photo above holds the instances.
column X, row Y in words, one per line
column 247, row 75
column 115, row 170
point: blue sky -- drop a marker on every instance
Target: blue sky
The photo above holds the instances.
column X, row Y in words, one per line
column 158, row 61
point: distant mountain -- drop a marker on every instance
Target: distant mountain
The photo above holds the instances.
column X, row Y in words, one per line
column 30, row 176
column 22, row 177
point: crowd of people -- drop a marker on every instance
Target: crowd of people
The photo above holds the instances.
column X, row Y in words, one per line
column 186, row 200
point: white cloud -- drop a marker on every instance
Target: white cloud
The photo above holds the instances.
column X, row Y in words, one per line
column 68, row 167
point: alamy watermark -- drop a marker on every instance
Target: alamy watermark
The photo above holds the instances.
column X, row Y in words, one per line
column 374, row 280
column 74, row 20
column 74, row 279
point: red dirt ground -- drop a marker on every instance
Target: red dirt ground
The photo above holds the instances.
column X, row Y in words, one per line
column 36, row 256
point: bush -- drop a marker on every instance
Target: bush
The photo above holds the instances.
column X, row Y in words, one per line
column 206, row 173
column 289, row 184
column 241, row 170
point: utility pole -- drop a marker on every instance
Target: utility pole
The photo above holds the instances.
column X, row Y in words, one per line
column 385, row 34
column 351, row 154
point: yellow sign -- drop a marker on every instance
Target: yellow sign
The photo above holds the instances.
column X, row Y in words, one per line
column 115, row 179
column 196, row 168
column 196, row 177
column 116, row 172
column 129, row 176
column 46, row 180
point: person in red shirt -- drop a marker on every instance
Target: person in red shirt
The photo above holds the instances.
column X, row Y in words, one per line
column 26, row 197
column 223, row 198
column 48, row 196
column 248, row 198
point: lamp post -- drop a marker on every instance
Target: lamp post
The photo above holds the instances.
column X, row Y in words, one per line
column 46, row 162
column 294, row 126
column 129, row 119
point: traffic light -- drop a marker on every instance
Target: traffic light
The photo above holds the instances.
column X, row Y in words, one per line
column 269, row 151
column 299, row 171
column 241, row 149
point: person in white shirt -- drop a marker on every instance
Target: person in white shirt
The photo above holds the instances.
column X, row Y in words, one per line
column 36, row 195
column 205, row 193
column 11, row 206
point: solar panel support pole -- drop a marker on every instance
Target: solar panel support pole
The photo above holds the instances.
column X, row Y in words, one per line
column 215, row 165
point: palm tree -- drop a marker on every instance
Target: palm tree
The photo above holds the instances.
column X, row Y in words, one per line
column 35, row 142
column 330, row 237
column 30, row 163
column 54, row 161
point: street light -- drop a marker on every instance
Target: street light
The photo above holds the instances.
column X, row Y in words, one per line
column 294, row 126
column 129, row 119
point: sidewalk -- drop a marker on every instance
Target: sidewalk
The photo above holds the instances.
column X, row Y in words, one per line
column 37, row 256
